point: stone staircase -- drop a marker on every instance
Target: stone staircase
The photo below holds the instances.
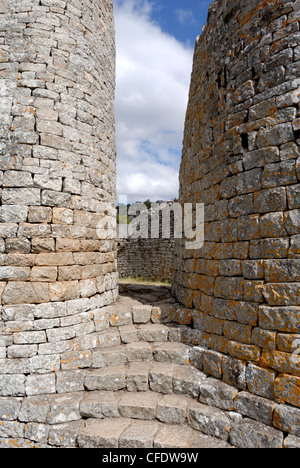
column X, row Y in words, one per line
column 143, row 390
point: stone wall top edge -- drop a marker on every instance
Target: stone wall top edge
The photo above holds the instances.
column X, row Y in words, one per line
column 224, row 12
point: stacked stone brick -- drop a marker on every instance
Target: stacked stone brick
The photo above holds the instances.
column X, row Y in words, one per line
column 143, row 388
column 241, row 159
column 152, row 257
column 57, row 175
column 139, row 392
column 74, row 373
column 146, row 258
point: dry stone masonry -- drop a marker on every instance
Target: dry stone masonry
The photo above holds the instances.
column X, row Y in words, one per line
column 241, row 158
column 143, row 388
column 80, row 366
column 139, row 391
column 57, row 173
column 146, row 258
column 152, row 257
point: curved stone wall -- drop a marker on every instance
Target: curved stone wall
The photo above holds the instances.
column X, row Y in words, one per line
column 241, row 159
column 57, row 175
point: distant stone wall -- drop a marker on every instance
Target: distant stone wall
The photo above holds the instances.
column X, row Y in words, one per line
column 241, row 158
column 57, row 176
column 150, row 258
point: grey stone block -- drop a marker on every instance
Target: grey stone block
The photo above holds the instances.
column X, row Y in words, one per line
column 252, row 434
column 211, row 421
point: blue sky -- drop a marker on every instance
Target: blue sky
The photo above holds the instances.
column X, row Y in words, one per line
column 182, row 19
column 155, row 45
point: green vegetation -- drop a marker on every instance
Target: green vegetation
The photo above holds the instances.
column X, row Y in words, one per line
column 145, row 281
column 122, row 219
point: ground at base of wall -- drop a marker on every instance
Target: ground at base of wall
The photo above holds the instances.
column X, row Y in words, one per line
column 145, row 281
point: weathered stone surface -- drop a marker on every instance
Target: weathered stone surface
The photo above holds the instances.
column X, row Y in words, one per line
column 65, row 435
column 287, row 389
column 234, row 372
column 287, row 419
column 280, row 271
column 109, row 379
column 28, row 293
column 196, row 355
column 141, row 314
column 211, row 421
column 174, row 437
column 109, row 357
column 240, row 154
column 65, row 408
column 9, row 409
column 292, row 442
column 172, row 409
column 203, row 441
column 99, row 405
column 140, row 434
column 260, row 381
column 128, row 334
column 219, row 394
column 37, row 384
column 137, row 377
column 282, row 294
column 139, row 352
column 57, row 180
column 10, row 429
column 35, row 409
column 109, row 338
column 281, row 362
column 153, row 333
column 102, row 434
column 251, row 434
column 161, row 378
column 187, row 381
column 37, row 432
column 70, row 381
column 254, row 407
column 20, row 443
column 139, row 406
column 212, row 363
column 119, row 317
column 175, row 353
column 285, row 319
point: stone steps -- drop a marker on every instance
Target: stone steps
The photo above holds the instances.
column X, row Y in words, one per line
column 141, row 352
column 107, row 419
column 159, row 377
column 141, row 389
column 177, row 396
column 129, row 433
column 162, row 377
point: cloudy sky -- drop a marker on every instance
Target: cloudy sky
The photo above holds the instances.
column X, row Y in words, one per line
column 155, row 44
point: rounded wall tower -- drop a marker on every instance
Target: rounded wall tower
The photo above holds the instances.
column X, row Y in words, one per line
column 241, row 159
column 57, row 175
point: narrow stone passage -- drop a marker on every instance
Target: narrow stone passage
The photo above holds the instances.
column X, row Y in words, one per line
column 145, row 388
column 83, row 364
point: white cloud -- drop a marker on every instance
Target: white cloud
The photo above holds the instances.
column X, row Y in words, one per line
column 153, row 76
column 185, row 17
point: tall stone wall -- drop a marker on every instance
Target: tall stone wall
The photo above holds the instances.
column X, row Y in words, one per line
column 241, row 158
column 57, row 175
